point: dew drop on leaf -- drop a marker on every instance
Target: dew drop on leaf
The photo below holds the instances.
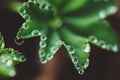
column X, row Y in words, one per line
column 93, row 39
column 43, row 37
column 102, row 14
column 81, row 72
column 112, row 9
column 42, row 53
column 102, row 44
column 19, row 41
column 86, row 48
column 86, row 64
column 43, row 44
column 9, row 63
column 49, row 56
column 71, row 49
column 53, row 49
column 25, row 26
column 21, row 10
column 12, row 73
column 26, row 17
column 75, row 60
column 35, row 33
column 115, row 48
column 22, row 58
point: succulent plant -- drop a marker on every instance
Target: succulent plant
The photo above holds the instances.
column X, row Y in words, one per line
column 75, row 24
column 8, row 58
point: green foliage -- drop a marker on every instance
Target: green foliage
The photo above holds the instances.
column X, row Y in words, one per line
column 8, row 58
column 72, row 23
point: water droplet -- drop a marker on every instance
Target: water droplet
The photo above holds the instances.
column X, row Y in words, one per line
column 54, row 49
column 71, row 49
column 115, row 48
column 102, row 44
column 86, row 64
column 22, row 58
column 43, row 60
column 21, row 10
column 26, row 17
column 12, row 72
column 77, row 66
column 49, row 56
column 43, row 37
column 81, row 72
column 25, row 26
column 74, row 59
column 93, row 39
column 9, row 63
column 43, row 44
column 42, row 53
column 112, row 9
column 86, row 48
column 102, row 14
column 35, row 33
column 19, row 41
column 42, row 6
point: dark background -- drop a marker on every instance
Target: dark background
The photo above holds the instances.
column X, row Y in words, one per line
column 104, row 65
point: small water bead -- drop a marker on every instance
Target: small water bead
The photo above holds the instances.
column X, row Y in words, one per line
column 81, row 72
column 77, row 66
column 102, row 44
column 21, row 10
column 9, row 63
column 22, row 58
column 42, row 53
column 71, row 49
column 75, row 60
column 43, row 44
column 43, row 37
column 19, row 41
column 35, row 33
column 12, row 72
column 86, row 64
column 102, row 14
column 49, row 56
column 115, row 48
column 54, row 49
column 26, row 17
column 25, row 26
column 43, row 60
column 93, row 39
column 87, row 48
column 112, row 9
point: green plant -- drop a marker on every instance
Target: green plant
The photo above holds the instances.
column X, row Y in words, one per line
column 8, row 58
column 74, row 24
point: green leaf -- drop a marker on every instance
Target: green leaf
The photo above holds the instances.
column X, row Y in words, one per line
column 104, row 36
column 6, row 70
column 8, row 58
column 90, row 13
column 78, row 49
column 73, row 5
column 49, row 46
column 38, row 17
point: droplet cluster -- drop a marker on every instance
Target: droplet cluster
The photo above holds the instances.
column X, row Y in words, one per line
column 103, row 44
